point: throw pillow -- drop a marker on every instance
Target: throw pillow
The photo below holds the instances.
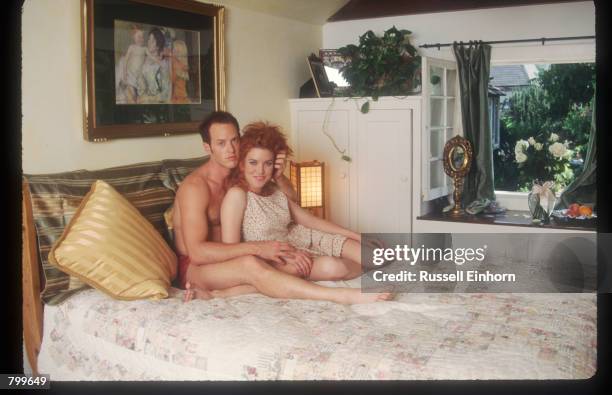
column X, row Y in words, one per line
column 110, row 246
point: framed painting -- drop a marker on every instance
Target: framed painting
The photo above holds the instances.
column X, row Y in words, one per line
column 150, row 67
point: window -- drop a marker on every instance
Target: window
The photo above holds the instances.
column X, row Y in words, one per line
column 440, row 87
column 544, row 123
column 534, row 106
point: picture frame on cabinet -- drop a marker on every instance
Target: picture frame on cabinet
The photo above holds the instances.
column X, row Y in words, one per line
column 319, row 76
column 332, row 58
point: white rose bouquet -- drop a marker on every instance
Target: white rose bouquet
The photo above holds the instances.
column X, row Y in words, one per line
column 544, row 157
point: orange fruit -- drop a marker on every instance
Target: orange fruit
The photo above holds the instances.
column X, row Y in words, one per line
column 585, row 210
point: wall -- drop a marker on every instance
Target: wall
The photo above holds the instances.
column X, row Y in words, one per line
column 266, row 65
column 551, row 20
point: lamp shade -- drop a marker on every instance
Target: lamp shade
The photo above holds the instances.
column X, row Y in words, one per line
column 308, row 180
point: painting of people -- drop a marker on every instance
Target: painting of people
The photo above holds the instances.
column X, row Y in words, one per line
column 156, row 64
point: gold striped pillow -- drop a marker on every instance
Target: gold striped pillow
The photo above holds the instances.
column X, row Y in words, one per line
column 109, row 245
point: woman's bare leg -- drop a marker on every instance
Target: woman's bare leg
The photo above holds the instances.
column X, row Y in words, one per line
column 351, row 249
column 329, row 268
column 249, row 270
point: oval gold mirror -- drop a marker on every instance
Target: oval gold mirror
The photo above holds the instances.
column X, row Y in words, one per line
column 457, row 161
column 457, row 158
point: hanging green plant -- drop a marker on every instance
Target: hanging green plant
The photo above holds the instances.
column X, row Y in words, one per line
column 382, row 66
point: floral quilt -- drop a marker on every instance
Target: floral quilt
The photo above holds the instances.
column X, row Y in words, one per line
column 253, row 337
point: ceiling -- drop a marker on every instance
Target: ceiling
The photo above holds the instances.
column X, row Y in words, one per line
column 318, row 12
column 315, row 12
column 361, row 9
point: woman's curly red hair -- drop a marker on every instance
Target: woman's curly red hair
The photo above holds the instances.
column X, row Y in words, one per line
column 258, row 135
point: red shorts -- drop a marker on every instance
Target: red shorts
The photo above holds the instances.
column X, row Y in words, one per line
column 183, row 264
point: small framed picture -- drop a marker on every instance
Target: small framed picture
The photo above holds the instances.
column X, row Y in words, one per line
column 319, row 76
column 334, row 62
column 332, row 58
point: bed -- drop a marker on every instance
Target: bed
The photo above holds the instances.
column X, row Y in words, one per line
column 417, row 336
column 253, row 337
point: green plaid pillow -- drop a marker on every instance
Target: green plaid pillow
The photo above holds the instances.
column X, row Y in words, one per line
column 176, row 170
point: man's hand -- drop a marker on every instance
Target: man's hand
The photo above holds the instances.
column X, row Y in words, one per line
column 280, row 164
column 274, row 250
column 302, row 261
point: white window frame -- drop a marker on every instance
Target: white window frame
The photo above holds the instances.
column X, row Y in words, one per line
column 449, row 127
column 512, row 200
column 494, row 112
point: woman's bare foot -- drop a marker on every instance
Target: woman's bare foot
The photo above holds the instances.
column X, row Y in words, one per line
column 355, row 296
column 195, row 293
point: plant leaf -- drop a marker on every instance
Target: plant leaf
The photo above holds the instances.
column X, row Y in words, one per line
column 365, row 107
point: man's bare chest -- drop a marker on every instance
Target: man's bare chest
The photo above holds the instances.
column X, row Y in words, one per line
column 214, row 206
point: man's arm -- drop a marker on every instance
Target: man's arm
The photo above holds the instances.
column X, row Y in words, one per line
column 193, row 200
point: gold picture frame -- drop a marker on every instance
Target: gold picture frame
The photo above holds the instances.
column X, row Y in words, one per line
column 150, row 67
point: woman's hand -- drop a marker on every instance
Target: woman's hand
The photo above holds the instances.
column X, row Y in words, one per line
column 302, row 262
column 280, row 164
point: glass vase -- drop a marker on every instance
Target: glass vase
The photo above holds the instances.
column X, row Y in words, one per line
column 538, row 214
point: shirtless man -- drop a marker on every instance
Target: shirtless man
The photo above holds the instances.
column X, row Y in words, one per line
column 207, row 266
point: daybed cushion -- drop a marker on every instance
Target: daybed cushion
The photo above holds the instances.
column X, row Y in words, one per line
column 175, row 170
column 253, row 337
column 110, row 246
column 150, row 187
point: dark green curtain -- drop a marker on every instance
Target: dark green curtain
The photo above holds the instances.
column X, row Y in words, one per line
column 473, row 64
column 584, row 187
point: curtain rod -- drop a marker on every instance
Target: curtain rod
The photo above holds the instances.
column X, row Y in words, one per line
column 542, row 40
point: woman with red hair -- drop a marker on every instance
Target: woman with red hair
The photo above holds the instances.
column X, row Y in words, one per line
column 255, row 209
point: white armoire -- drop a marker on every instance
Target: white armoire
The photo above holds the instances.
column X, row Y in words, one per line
column 395, row 150
column 373, row 192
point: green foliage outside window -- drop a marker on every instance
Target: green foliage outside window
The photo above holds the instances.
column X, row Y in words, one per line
column 554, row 110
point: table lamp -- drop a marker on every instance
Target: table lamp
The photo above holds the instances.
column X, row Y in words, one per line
column 308, row 179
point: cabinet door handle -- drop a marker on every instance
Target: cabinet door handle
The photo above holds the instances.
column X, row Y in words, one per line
column 343, row 175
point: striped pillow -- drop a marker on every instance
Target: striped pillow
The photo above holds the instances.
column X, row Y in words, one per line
column 110, row 246
column 175, row 170
column 56, row 197
column 149, row 186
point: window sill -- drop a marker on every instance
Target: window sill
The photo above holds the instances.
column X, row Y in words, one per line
column 516, row 201
column 510, row 218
